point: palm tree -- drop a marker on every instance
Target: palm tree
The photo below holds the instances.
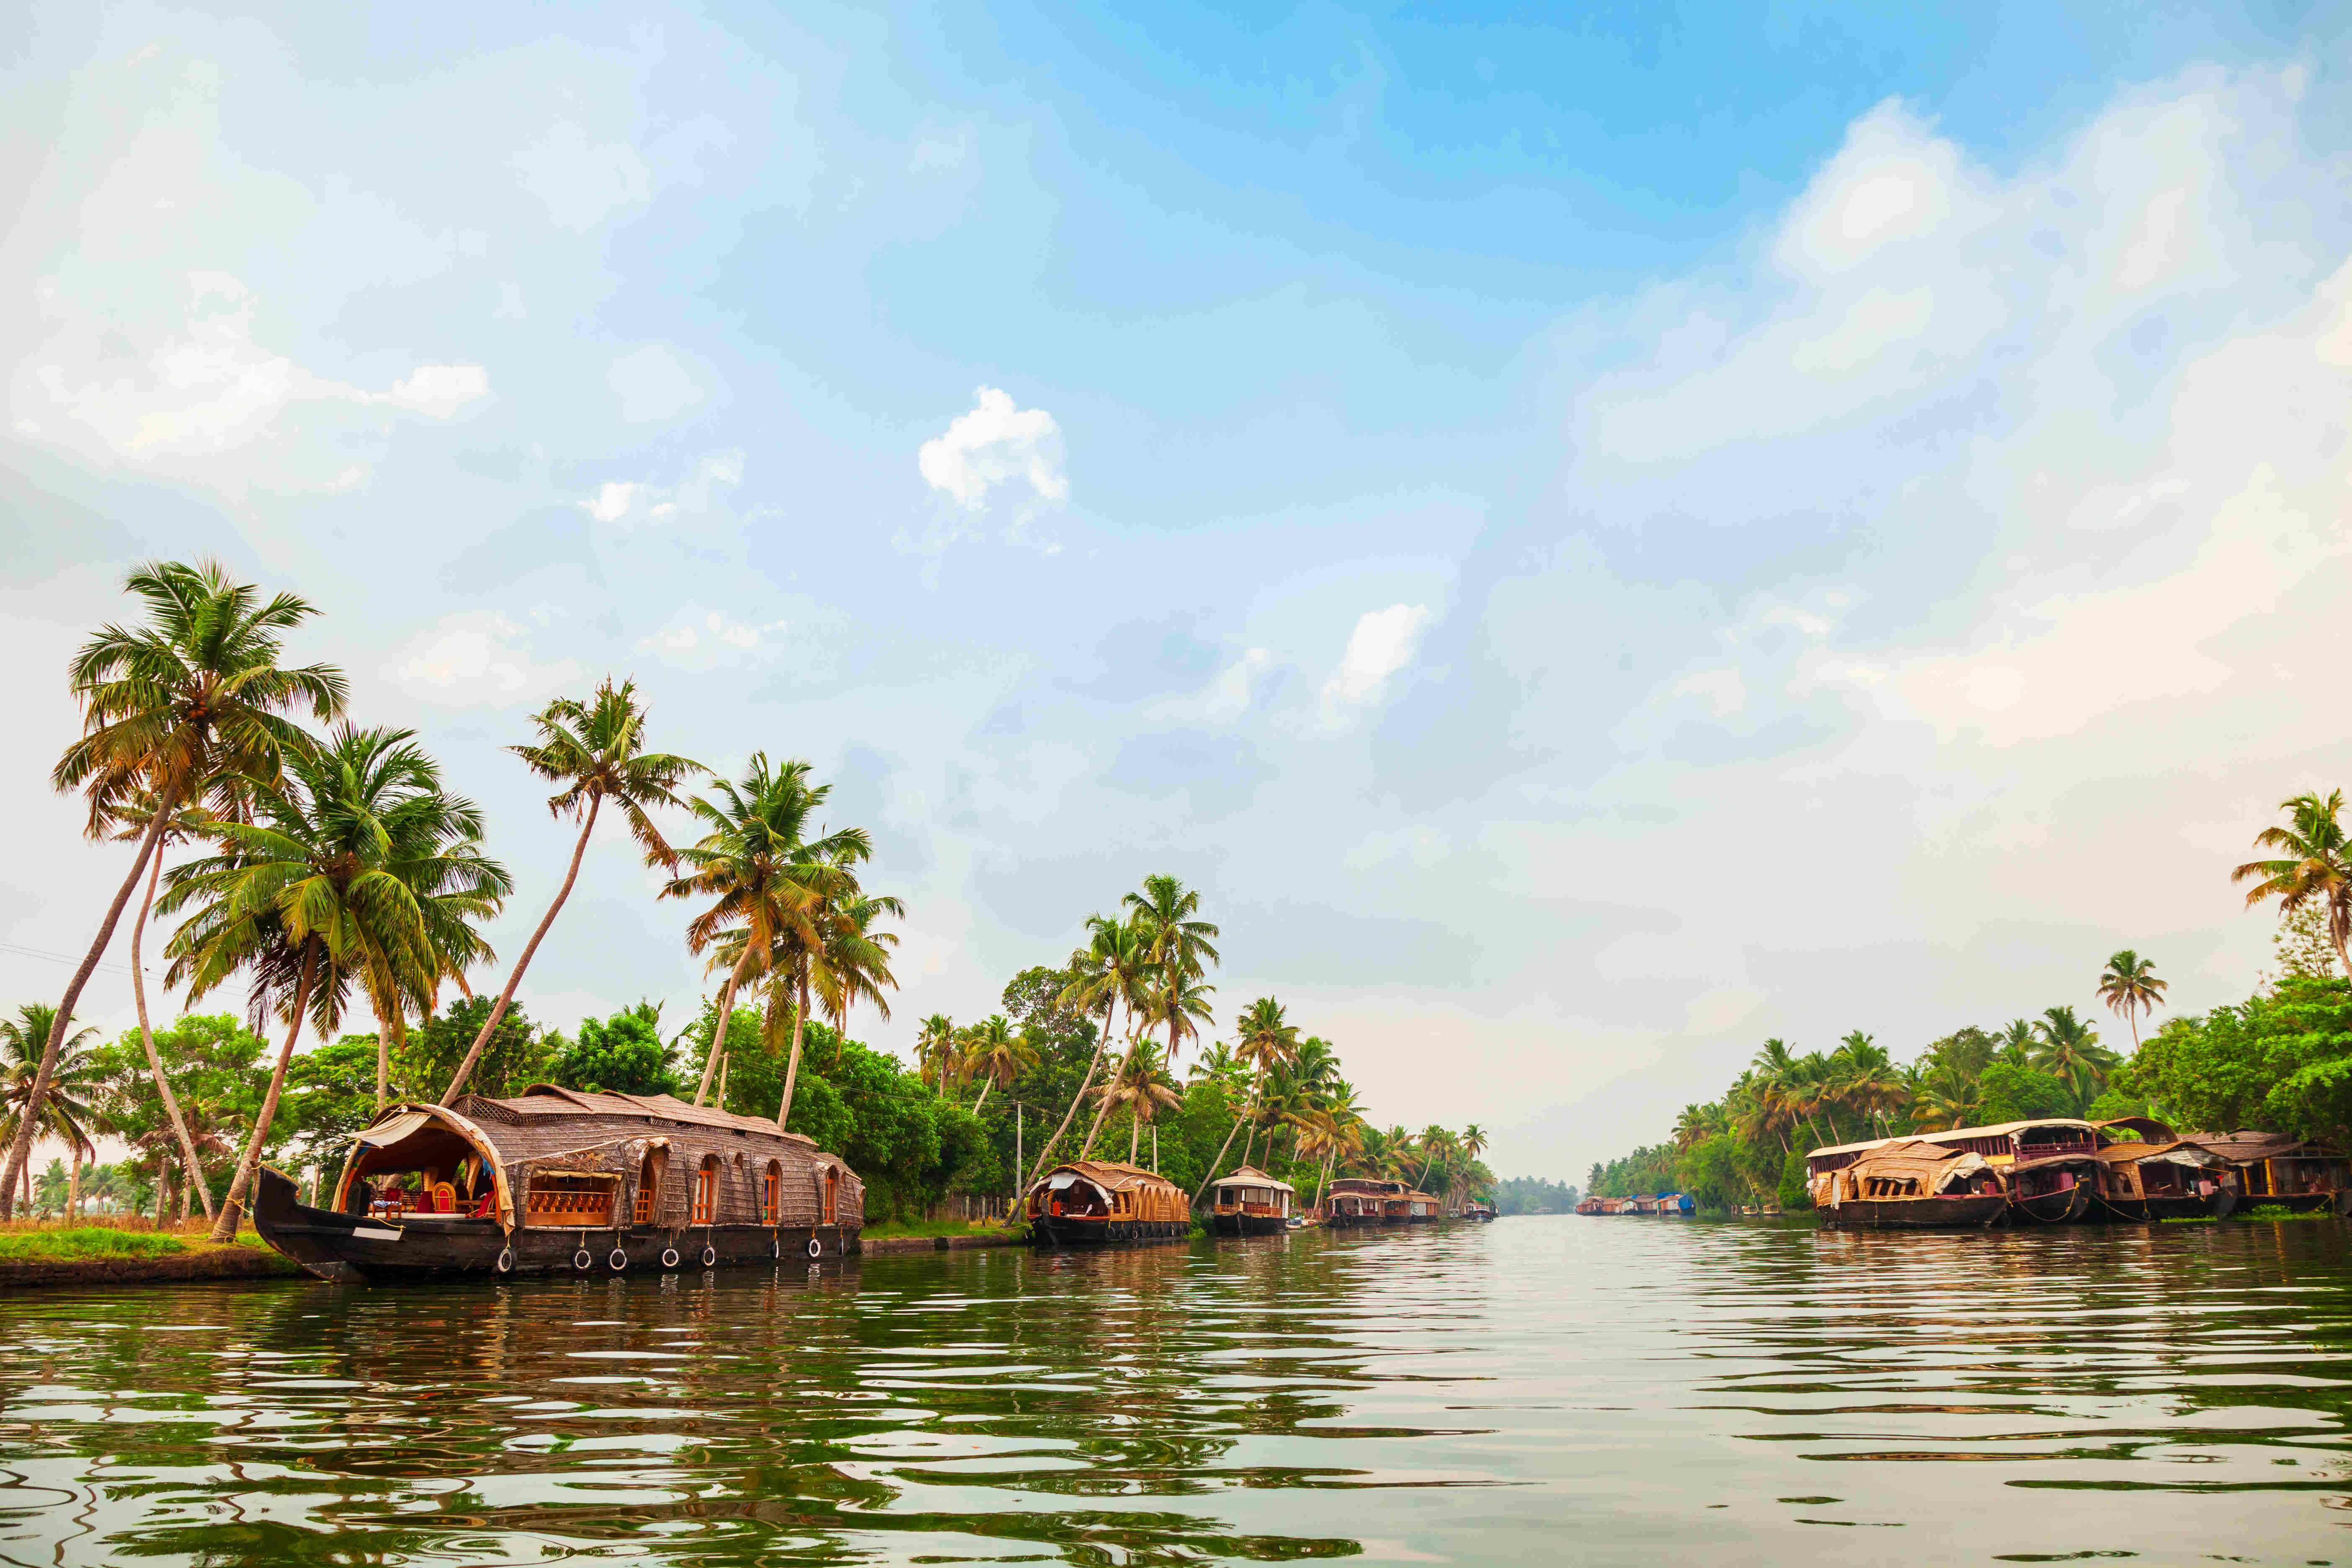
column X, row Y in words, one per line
column 318, row 894
column 593, row 752
column 1139, row 1089
column 2315, row 869
column 938, row 1050
column 995, row 1055
column 2069, row 1049
column 1112, row 968
column 195, row 693
column 60, row 1108
column 1181, row 942
column 1268, row 1039
column 2018, row 1042
column 1948, row 1095
column 2130, row 986
column 1180, row 1003
column 1436, row 1144
column 853, row 965
column 1473, row 1137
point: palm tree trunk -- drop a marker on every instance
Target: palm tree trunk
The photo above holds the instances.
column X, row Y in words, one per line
column 73, row 1188
column 1134, row 1044
column 1093, row 1066
column 985, row 1085
column 1249, row 1113
column 720, row 1100
column 718, row 1031
column 20, row 1152
column 1134, row 1138
column 224, row 1226
column 147, row 1038
column 506, row 997
column 793, row 1067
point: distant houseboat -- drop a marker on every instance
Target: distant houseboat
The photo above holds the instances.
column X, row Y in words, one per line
column 1250, row 1203
column 1479, row 1210
column 2155, row 1175
column 2050, row 1167
column 1909, row 1183
column 2280, row 1171
column 1357, row 1201
column 558, row 1179
column 1089, row 1203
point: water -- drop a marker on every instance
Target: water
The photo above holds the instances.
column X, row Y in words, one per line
column 1600, row 1390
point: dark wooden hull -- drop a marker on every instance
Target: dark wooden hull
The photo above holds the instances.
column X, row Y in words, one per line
column 349, row 1249
column 1066, row 1230
column 1247, row 1224
column 2052, row 1209
column 2158, row 1207
column 1963, row 1212
column 1353, row 1221
column 2338, row 1201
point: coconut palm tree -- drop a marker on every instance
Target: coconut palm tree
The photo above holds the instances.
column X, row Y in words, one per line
column 1178, row 1003
column 939, row 1051
column 994, row 1054
column 593, row 752
column 1473, row 1137
column 1114, row 968
column 317, row 895
column 853, row 965
column 2069, row 1049
column 1436, row 1144
column 60, row 1109
column 1946, row 1096
column 1267, row 1039
column 2315, row 869
column 1141, row 1088
column 193, row 693
column 2129, row 987
column 1181, row 942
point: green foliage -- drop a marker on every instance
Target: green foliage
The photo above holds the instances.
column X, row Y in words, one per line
column 82, row 1242
column 625, row 1054
column 1533, row 1194
column 2281, row 1061
column 330, row 1095
column 213, row 1062
column 514, row 1057
column 2013, row 1093
column 1791, row 1190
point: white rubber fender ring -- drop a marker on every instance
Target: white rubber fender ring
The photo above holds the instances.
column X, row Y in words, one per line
column 776, row 1247
column 710, row 1257
column 581, row 1259
column 506, row 1260
column 618, row 1259
column 669, row 1258
column 815, row 1247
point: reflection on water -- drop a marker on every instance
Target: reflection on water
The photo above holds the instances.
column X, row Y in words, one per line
column 1605, row 1390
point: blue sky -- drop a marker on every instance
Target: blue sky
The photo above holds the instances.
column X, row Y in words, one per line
column 1592, row 540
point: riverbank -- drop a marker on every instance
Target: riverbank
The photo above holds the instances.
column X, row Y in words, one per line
column 102, row 1255
column 935, row 1235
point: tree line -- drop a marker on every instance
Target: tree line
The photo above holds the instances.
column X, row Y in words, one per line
column 333, row 873
column 2281, row 1059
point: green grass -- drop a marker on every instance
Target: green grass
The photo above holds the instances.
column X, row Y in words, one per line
column 83, row 1242
column 930, row 1227
column 2272, row 1212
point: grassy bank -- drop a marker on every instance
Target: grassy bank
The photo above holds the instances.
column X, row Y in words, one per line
column 931, row 1227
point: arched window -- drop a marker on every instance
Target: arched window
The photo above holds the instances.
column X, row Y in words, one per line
column 649, row 1175
column 705, row 1191
column 771, row 1195
column 831, row 1195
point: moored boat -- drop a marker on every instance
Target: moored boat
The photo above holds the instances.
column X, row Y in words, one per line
column 1909, row 1183
column 1090, row 1203
column 1250, row 1203
column 1357, row 1201
column 559, row 1179
column 2049, row 1166
column 1479, row 1211
column 2155, row 1175
column 2278, row 1171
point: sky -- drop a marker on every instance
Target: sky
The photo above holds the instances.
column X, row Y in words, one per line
column 1592, row 538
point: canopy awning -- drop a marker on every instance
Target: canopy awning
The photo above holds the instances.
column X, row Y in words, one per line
column 385, row 1135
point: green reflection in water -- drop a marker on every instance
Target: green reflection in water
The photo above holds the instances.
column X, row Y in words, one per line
column 1540, row 1389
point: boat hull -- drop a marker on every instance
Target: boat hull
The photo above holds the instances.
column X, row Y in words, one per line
column 1247, row 1224
column 2052, row 1209
column 2338, row 1203
column 1969, row 1211
column 350, row 1249
column 1063, row 1230
column 2167, row 1205
column 1353, row 1221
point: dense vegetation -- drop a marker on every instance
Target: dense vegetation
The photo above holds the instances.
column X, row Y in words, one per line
column 2281, row 1059
column 336, row 879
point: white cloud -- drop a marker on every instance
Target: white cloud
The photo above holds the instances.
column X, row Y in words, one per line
column 475, row 658
column 441, row 391
column 580, row 183
column 995, row 444
column 651, row 385
column 1382, row 644
column 1224, row 700
column 630, row 504
column 697, row 637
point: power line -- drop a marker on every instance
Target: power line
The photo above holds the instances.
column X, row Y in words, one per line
column 107, row 965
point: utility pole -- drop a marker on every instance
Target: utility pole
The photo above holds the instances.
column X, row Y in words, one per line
column 1155, row 1148
column 1019, row 1164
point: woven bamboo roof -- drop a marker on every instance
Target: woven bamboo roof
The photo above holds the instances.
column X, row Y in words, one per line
column 1251, row 1176
column 2247, row 1145
column 2131, row 1151
column 1113, row 1175
column 2003, row 1130
column 554, row 1099
column 2147, row 1126
column 1932, row 1165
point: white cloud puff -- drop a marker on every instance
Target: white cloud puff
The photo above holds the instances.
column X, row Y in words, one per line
column 629, row 504
column 475, row 658
column 995, row 444
column 1383, row 643
column 1224, row 700
column 697, row 637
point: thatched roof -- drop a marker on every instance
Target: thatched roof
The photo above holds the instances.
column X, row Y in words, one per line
column 1251, row 1176
column 1933, row 1166
column 2171, row 1150
column 2149, row 1129
column 1366, row 1187
column 1111, row 1176
column 553, row 1100
column 2245, row 1147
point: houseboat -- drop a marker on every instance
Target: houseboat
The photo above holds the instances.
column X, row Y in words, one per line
column 1250, row 1203
column 1362, row 1200
column 2149, row 1172
column 2050, row 1167
column 1091, row 1203
column 1422, row 1208
column 2276, row 1171
column 1592, row 1205
column 1909, row 1183
column 1479, row 1210
column 1681, row 1205
column 562, row 1180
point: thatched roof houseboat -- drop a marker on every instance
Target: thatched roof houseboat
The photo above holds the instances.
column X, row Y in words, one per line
column 1365, row 1200
column 1911, row 1184
column 560, row 1179
column 1088, row 1203
column 1250, row 1203
column 2278, row 1171
column 2050, row 1166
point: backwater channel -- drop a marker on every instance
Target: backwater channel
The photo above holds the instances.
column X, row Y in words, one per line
column 1547, row 1389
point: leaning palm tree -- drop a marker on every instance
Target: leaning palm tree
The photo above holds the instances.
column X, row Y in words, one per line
column 1178, row 1003
column 2130, row 986
column 854, row 963
column 1113, row 969
column 2317, row 868
column 62, row 1109
column 1267, row 1040
column 766, row 878
column 194, row 693
column 1437, row 1145
column 309, row 900
column 593, row 752
column 1181, row 942
column 1473, row 1137
column 1141, row 1088
column 939, row 1051
column 994, row 1054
